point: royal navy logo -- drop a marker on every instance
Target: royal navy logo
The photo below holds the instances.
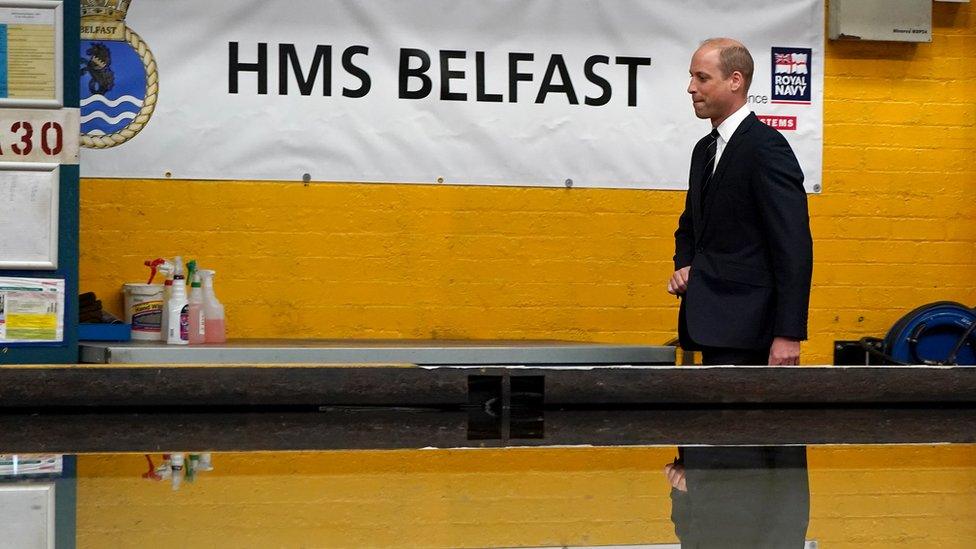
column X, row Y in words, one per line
column 118, row 76
column 792, row 74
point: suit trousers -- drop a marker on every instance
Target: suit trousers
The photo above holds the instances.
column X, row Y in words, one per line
column 713, row 356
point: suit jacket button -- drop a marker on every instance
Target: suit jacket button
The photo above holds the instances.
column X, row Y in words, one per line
column 700, row 249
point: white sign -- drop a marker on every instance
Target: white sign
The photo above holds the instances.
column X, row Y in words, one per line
column 28, row 511
column 31, row 49
column 31, row 310
column 39, row 135
column 501, row 92
column 29, row 200
column 31, row 464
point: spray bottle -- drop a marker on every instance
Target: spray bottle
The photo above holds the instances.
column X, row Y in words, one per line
column 205, row 462
column 178, row 327
column 196, row 310
column 191, row 467
column 176, row 466
column 213, row 310
column 164, row 470
column 166, row 267
column 153, row 265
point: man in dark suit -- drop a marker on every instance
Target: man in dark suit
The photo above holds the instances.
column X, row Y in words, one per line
column 743, row 252
column 743, row 260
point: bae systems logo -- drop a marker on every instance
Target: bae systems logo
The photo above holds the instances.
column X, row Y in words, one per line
column 778, row 122
column 792, row 73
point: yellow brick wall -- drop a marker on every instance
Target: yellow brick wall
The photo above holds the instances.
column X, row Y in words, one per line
column 894, row 228
column 860, row 497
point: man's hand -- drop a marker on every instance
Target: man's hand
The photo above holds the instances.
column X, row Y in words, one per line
column 678, row 283
column 784, row 352
column 676, row 476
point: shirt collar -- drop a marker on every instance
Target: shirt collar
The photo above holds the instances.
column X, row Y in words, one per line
column 728, row 127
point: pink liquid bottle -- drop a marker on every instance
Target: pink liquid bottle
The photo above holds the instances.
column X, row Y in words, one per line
column 213, row 311
column 196, row 312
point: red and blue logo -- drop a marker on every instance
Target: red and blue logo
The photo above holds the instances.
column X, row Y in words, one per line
column 792, row 75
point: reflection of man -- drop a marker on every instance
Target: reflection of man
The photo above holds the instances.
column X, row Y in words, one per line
column 741, row 497
column 743, row 251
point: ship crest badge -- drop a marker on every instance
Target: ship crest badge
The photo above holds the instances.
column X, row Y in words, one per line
column 119, row 84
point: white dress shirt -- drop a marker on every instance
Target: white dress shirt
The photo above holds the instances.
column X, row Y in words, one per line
column 725, row 131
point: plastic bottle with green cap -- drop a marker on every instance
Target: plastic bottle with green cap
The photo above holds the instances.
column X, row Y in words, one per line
column 191, row 269
column 213, row 309
column 197, row 326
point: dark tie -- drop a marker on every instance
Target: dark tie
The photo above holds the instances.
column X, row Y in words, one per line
column 710, row 151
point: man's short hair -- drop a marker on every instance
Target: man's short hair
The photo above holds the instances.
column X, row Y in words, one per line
column 733, row 56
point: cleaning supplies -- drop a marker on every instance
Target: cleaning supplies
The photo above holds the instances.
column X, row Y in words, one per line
column 178, row 467
column 152, row 473
column 178, row 332
column 191, row 269
column 191, row 467
column 196, row 311
column 177, row 461
column 205, row 462
column 144, row 309
column 166, row 267
column 153, row 265
column 213, row 311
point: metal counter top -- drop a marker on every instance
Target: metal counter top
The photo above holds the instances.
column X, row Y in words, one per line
column 419, row 352
column 380, row 428
column 386, row 385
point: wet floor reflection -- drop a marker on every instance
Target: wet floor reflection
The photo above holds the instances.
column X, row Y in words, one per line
column 740, row 497
column 833, row 496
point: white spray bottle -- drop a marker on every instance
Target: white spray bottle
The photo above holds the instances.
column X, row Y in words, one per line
column 215, row 331
column 177, row 461
column 178, row 332
column 166, row 267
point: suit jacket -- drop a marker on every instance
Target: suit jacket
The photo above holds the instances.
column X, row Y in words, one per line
column 748, row 245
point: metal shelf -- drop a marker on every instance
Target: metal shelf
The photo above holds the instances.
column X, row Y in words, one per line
column 418, row 352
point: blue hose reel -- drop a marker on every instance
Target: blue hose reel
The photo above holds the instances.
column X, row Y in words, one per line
column 940, row 333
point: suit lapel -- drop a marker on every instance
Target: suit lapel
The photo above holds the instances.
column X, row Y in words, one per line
column 728, row 157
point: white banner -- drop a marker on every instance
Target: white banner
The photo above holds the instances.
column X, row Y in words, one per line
column 499, row 92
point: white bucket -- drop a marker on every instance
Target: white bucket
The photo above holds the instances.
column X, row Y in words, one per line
column 144, row 309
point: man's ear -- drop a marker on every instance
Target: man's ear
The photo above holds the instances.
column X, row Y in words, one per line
column 736, row 81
